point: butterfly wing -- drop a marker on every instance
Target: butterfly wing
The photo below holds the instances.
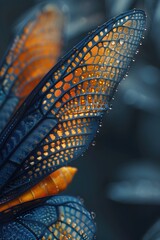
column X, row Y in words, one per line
column 60, row 118
column 34, row 51
column 60, row 217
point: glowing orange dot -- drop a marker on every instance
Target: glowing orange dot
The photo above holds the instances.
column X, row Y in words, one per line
column 57, row 93
column 96, row 38
column 69, row 77
column 58, row 104
column 59, row 84
column 66, row 86
column 49, row 95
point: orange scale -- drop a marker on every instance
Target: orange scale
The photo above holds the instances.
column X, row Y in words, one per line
column 68, row 78
column 78, row 72
column 88, row 55
column 74, row 65
column 90, row 60
column 128, row 23
column 94, row 51
column 96, row 38
column 90, row 68
column 101, row 51
column 67, row 97
column 66, row 86
column 103, row 59
column 84, row 49
column 63, row 99
column 97, row 59
column 57, row 93
column 59, row 84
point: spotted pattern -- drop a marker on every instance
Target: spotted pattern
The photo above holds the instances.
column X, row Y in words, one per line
column 70, row 101
column 60, row 217
column 34, row 51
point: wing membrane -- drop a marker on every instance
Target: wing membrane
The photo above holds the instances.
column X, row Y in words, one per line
column 60, row 217
column 61, row 116
column 34, row 51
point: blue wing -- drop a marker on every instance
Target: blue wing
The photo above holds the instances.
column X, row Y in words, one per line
column 60, row 217
column 60, row 118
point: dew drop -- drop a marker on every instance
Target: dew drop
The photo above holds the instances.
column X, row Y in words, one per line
column 113, row 43
column 93, row 215
column 93, row 143
column 121, row 41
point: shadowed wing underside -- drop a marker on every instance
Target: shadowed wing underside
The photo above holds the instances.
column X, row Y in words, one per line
column 60, row 118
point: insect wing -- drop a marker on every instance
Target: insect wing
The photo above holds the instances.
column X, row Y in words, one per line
column 60, row 118
column 60, row 217
column 33, row 53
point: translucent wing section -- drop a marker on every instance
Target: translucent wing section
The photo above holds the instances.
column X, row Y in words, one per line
column 34, row 51
column 60, row 217
column 61, row 116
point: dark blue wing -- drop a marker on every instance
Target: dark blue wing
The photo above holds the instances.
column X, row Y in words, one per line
column 60, row 217
column 61, row 116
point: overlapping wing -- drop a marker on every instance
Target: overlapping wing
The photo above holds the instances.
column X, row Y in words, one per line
column 60, row 217
column 61, row 116
column 33, row 53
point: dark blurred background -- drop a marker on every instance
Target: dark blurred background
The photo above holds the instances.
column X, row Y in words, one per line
column 118, row 177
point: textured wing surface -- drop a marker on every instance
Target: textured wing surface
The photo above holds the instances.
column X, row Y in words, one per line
column 33, row 53
column 60, row 217
column 60, row 118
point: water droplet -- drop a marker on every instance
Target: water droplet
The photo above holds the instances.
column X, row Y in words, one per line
column 121, row 41
column 113, row 43
column 93, row 143
column 93, row 215
column 133, row 60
